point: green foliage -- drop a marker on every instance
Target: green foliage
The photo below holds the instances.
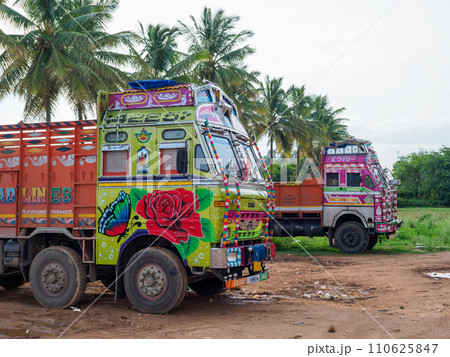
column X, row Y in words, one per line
column 160, row 51
column 425, row 178
column 425, row 226
column 216, row 52
column 274, row 120
column 285, row 172
column 304, row 245
column 296, row 124
column 62, row 48
column 205, row 198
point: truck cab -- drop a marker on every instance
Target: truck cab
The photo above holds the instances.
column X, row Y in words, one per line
column 357, row 191
column 163, row 191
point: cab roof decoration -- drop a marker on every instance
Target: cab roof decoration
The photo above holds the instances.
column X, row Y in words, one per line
column 151, row 84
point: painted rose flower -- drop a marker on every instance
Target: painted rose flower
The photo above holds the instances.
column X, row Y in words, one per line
column 171, row 214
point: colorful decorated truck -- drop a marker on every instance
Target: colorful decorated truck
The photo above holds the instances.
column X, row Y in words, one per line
column 349, row 198
column 164, row 191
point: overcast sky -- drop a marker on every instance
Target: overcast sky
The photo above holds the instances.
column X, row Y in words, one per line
column 387, row 62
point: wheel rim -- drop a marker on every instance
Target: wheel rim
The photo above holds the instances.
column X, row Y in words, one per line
column 151, row 282
column 53, row 279
column 351, row 238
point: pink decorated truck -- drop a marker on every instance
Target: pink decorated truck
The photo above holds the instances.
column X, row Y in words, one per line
column 351, row 200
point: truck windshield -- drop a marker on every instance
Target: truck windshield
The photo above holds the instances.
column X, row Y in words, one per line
column 227, row 156
column 251, row 169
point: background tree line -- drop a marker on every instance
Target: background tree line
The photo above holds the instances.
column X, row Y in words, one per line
column 425, row 178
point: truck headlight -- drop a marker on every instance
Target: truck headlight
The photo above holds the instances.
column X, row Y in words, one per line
column 232, row 257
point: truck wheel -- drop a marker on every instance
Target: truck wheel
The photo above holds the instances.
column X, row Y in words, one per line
column 373, row 240
column 155, row 280
column 58, row 277
column 351, row 237
column 12, row 281
column 208, row 287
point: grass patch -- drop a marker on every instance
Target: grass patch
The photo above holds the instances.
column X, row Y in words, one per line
column 424, row 230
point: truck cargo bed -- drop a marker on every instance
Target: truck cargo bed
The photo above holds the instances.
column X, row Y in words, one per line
column 48, row 176
column 298, row 200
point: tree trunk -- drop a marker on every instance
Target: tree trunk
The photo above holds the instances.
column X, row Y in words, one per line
column 298, row 162
column 271, row 156
column 48, row 109
column 80, row 112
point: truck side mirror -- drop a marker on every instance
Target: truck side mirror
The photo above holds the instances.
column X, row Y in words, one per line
column 395, row 182
column 182, row 161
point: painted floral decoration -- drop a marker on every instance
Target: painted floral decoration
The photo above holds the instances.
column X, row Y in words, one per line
column 171, row 214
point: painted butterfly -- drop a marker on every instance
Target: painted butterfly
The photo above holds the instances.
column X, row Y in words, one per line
column 115, row 218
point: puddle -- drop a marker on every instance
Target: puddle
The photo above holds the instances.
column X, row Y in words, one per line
column 439, row 275
column 20, row 333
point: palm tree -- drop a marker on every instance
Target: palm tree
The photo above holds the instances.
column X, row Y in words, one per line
column 327, row 117
column 322, row 111
column 215, row 53
column 247, row 101
column 66, row 52
column 274, row 120
column 159, row 53
column 303, row 129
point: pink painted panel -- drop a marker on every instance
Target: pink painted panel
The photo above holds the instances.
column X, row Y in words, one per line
column 344, row 159
column 378, row 209
column 205, row 111
column 342, row 178
column 174, row 96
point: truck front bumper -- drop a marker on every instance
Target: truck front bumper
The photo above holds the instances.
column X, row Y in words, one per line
column 389, row 228
column 242, row 256
column 246, row 280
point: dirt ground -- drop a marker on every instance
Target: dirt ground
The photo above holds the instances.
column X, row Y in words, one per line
column 393, row 298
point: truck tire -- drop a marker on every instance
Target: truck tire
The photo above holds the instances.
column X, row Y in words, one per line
column 58, row 277
column 208, row 287
column 10, row 282
column 373, row 240
column 351, row 237
column 155, row 280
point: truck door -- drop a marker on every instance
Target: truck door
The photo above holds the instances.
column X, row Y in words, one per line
column 175, row 157
column 9, row 204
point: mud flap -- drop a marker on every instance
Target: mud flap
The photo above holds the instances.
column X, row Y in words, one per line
column 120, row 289
column 331, row 237
column 2, row 267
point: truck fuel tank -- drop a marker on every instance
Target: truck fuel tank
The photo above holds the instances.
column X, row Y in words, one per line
column 297, row 227
column 11, row 256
